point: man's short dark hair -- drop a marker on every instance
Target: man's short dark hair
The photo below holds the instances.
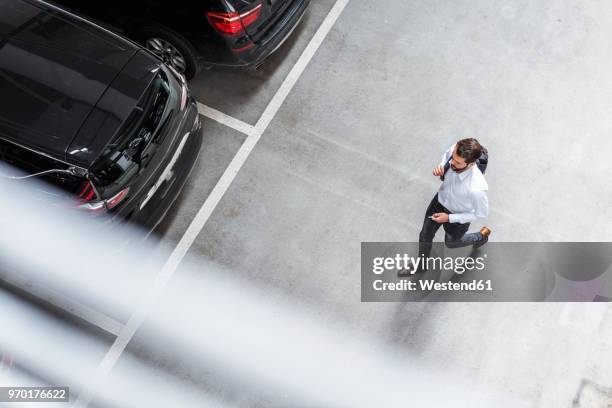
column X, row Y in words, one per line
column 469, row 149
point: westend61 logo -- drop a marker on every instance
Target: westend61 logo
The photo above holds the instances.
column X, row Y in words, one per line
column 401, row 262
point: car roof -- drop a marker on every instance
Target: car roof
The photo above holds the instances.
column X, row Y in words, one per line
column 54, row 67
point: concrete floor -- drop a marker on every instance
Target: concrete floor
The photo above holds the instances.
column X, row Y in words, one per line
column 348, row 159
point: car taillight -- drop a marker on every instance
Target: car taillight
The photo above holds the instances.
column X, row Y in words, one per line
column 233, row 23
column 87, row 194
column 117, row 198
column 250, row 16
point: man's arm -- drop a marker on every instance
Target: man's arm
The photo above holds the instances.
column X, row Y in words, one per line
column 481, row 205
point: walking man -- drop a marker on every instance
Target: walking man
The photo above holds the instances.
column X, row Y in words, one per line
column 461, row 199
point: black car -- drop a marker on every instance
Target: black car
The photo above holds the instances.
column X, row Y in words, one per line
column 190, row 34
column 93, row 114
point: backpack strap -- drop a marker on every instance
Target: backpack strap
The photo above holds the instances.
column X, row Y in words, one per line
column 446, row 167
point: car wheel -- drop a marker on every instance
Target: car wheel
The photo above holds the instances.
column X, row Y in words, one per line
column 172, row 49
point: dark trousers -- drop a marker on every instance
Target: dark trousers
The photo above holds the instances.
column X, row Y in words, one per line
column 456, row 234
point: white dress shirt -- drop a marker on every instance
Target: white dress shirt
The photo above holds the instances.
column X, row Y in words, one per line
column 464, row 194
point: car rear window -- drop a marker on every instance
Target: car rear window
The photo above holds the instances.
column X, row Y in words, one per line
column 124, row 156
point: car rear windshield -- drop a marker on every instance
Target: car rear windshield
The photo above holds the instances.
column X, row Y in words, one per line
column 132, row 148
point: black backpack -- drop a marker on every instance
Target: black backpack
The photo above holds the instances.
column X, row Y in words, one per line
column 481, row 162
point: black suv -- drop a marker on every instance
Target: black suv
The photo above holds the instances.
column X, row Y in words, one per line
column 189, row 34
column 93, row 114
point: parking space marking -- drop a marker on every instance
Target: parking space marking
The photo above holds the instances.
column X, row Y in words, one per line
column 225, row 119
column 177, row 255
column 64, row 303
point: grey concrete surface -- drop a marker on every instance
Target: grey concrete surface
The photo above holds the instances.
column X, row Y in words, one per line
column 219, row 145
column 348, row 159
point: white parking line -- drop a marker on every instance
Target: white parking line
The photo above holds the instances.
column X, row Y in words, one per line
column 62, row 302
column 225, row 119
column 121, row 342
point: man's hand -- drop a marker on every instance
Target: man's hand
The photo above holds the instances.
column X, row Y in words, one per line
column 440, row 218
column 438, row 171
